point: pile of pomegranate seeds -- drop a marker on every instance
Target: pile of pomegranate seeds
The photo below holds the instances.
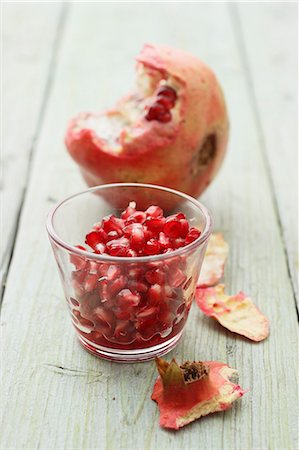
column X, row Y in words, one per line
column 141, row 233
column 165, row 101
column 129, row 303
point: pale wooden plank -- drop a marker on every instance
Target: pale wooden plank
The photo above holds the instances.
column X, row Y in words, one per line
column 58, row 408
column 268, row 38
column 28, row 38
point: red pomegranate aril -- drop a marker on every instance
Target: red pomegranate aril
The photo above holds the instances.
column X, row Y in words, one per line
column 193, row 234
column 167, row 91
column 146, row 313
column 137, row 239
column 172, row 227
column 138, row 286
column 155, row 276
column 155, row 111
column 164, row 241
column 131, row 253
column 79, row 261
column 117, row 285
column 113, row 272
column 155, row 224
column 113, row 235
column 165, row 117
column 112, row 223
column 118, row 247
column 167, row 102
column 105, row 316
column 136, row 217
column 178, row 243
column 126, row 298
column 176, row 278
column 90, row 282
column 184, row 228
column 129, row 210
column 155, row 294
column 152, row 247
column 100, row 248
column 154, row 211
column 93, row 238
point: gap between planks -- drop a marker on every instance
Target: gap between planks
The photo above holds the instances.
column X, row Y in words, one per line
column 242, row 49
column 43, row 107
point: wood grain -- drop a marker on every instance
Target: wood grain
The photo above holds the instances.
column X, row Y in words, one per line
column 55, row 394
column 29, row 44
column 270, row 65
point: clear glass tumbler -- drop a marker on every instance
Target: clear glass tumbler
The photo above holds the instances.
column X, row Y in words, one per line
column 94, row 284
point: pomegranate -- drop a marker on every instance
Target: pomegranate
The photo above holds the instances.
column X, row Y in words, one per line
column 171, row 131
column 133, row 305
column 194, row 389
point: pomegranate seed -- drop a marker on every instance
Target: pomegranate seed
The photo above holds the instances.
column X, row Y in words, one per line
column 177, row 243
column 100, row 248
column 122, row 329
column 155, row 110
column 176, row 278
column 172, row 227
column 154, row 211
column 167, row 91
column 155, row 294
column 167, row 102
column 118, row 247
column 131, row 253
column 93, row 238
column 137, row 239
column 105, row 316
column 156, row 276
column 166, row 117
column 90, row 282
column 184, row 227
column 126, row 298
column 118, row 284
column 79, row 261
column 136, row 217
column 113, row 272
column 138, row 286
column 112, row 223
column 152, row 247
column 193, row 234
column 129, row 210
column 113, row 235
column 147, row 312
column 155, row 225
column 164, row 241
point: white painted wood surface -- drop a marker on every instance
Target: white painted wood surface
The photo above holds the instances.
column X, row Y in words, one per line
column 55, row 395
column 29, row 50
column 270, row 62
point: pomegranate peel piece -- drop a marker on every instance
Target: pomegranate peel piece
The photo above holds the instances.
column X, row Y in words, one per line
column 237, row 313
column 194, row 389
column 213, row 264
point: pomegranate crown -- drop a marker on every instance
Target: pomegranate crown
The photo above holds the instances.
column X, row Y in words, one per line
column 173, row 374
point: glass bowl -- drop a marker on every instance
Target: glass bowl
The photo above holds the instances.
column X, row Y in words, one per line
column 117, row 313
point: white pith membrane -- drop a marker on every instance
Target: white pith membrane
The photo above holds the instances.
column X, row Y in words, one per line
column 127, row 118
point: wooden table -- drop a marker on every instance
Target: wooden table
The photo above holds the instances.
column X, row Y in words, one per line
column 62, row 59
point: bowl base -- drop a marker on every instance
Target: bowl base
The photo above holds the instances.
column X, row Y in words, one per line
column 129, row 356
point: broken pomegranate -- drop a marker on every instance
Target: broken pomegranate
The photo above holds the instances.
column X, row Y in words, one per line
column 130, row 305
column 213, row 264
column 171, row 131
column 237, row 313
column 194, row 389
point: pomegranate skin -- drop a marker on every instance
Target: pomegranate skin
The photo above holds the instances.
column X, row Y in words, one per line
column 184, row 154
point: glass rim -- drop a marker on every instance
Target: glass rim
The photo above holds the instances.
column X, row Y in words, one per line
column 135, row 259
